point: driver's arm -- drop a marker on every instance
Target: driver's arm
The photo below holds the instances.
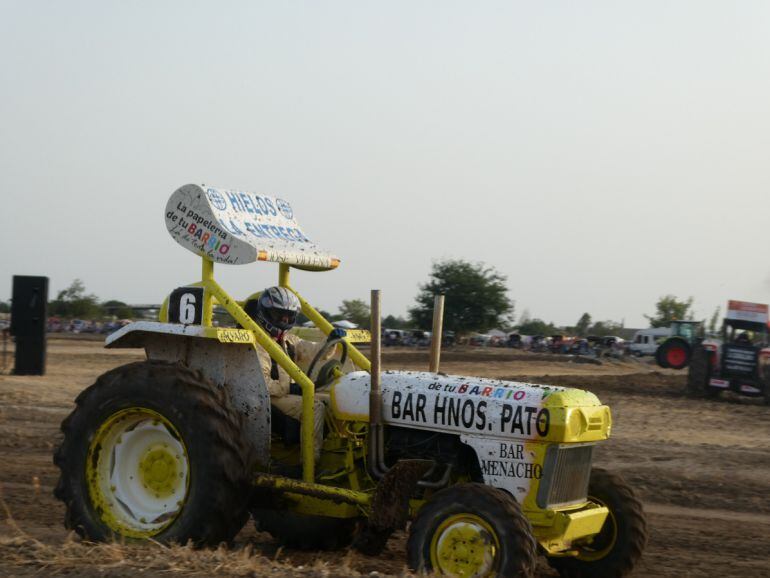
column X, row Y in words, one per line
column 305, row 351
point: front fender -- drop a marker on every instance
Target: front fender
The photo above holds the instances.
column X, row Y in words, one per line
column 226, row 356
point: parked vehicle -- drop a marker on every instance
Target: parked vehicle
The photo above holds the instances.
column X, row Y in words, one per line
column 418, row 338
column 515, row 341
column 559, row 344
column 393, row 337
column 611, row 346
column 646, row 341
column 581, row 347
column 538, row 343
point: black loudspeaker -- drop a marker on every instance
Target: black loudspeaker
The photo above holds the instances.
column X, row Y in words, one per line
column 29, row 308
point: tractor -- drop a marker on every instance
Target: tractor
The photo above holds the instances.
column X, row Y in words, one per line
column 186, row 446
column 675, row 352
column 740, row 360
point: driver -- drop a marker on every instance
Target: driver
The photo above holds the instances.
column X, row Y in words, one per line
column 743, row 338
column 276, row 311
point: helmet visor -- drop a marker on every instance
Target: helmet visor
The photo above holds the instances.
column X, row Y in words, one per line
column 281, row 318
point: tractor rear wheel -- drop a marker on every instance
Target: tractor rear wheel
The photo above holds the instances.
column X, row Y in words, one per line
column 614, row 551
column 154, row 450
column 305, row 532
column 472, row 530
column 766, row 385
column 699, row 374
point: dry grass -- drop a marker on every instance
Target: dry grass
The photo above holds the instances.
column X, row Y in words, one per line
column 24, row 552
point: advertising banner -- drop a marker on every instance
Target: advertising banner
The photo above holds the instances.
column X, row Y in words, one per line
column 238, row 227
column 745, row 311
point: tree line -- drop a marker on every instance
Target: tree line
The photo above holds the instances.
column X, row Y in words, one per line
column 73, row 303
column 475, row 300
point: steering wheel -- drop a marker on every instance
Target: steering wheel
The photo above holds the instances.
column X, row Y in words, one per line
column 326, row 371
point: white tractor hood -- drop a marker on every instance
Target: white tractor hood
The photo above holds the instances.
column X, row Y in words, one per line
column 474, row 406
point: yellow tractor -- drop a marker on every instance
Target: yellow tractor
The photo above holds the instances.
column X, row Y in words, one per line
column 185, row 446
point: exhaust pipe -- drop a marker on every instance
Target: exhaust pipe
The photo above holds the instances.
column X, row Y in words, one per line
column 435, row 338
column 376, row 462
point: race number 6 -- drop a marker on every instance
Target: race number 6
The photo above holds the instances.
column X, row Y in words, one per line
column 186, row 305
column 187, row 308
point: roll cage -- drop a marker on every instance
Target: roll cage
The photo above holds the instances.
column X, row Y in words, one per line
column 236, row 227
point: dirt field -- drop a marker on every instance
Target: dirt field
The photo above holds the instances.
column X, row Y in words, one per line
column 702, row 469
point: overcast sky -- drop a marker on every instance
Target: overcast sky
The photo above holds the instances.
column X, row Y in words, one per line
column 599, row 154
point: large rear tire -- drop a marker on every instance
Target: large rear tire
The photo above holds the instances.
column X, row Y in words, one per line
column 616, row 549
column 699, row 375
column 472, row 530
column 766, row 385
column 154, row 450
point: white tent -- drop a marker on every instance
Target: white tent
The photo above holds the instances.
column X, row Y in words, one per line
column 496, row 333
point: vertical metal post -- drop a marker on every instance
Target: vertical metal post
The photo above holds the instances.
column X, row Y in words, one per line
column 307, row 431
column 375, row 398
column 207, row 275
column 283, row 275
column 435, row 339
column 5, row 349
column 376, row 460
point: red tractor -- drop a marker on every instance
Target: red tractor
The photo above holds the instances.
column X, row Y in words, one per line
column 740, row 361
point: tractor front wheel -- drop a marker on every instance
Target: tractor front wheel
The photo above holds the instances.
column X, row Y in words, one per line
column 153, row 450
column 472, row 530
column 614, row 551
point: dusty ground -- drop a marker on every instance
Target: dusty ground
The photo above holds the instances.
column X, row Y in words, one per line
column 702, row 469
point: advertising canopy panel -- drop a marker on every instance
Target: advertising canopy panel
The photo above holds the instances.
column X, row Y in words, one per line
column 238, row 227
column 745, row 311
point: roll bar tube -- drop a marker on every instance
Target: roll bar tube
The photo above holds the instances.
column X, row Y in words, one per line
column 214, row 292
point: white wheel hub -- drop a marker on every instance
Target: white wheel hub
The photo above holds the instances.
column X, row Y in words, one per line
column 142, row 471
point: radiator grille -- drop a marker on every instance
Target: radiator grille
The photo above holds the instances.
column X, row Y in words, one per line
column 740, row 360
column 565, row 476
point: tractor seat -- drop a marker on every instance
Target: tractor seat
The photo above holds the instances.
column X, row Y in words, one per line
column 285, row 427
column 282, row 422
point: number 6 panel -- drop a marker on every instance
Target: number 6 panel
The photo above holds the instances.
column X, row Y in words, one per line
column 185, row 305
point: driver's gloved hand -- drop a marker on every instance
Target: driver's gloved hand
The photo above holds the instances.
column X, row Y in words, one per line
column 337, row 333
column 295, row 389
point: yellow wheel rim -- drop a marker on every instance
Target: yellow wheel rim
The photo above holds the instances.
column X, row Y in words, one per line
column 464, row 546
column 138, row 472
column 603, row 543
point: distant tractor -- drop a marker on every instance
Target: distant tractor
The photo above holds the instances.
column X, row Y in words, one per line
column 741, row 361
column 675, row 352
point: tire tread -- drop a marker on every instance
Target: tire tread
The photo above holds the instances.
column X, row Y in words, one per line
column 228, row 485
